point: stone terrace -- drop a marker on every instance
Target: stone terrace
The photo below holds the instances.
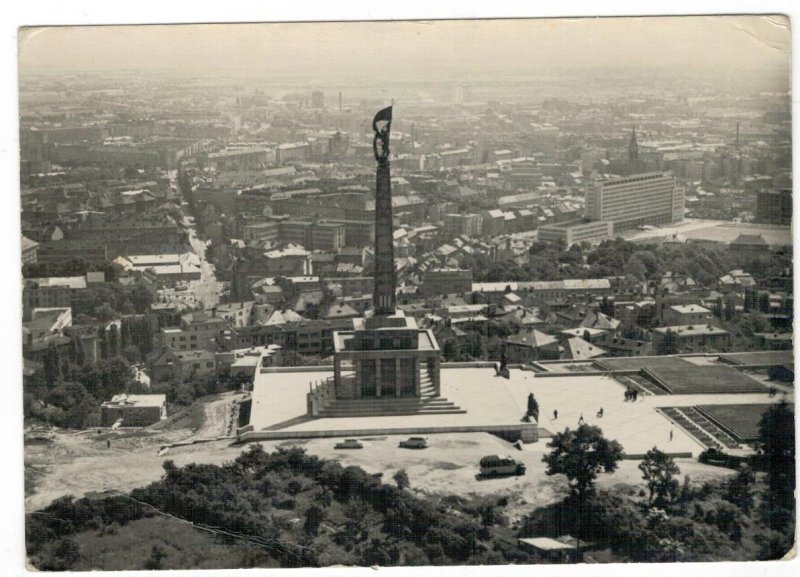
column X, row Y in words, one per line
column 279, row 404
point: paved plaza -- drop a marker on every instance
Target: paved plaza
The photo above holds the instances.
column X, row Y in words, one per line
column 637, row 425
column 279, row 403
column 714, row 231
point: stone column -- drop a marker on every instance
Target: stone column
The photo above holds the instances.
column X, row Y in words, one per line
column 337, row 376
column 435, row 376
column 397, row 376
column 378, row 372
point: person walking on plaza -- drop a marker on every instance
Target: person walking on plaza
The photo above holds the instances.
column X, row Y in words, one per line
column 555, row 414
column 600, row 413
column 670, row 434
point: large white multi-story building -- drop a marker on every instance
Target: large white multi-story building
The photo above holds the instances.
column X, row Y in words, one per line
column 635, row 200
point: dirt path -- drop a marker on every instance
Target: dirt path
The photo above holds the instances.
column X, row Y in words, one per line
column 77, row 463
column 74, row 465
column 96, row 469
column 217, row 414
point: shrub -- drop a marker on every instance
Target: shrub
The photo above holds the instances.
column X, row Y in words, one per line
column 313, row 519
column 401, row 478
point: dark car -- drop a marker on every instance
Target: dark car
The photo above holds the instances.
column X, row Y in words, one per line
column 415, row 443
column 349, row 444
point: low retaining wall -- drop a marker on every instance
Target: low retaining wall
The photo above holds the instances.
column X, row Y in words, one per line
column 576, row 374
column 188, row 442
column 527, row 432
column 311, row 369
column 453, row 365
column 640, row 456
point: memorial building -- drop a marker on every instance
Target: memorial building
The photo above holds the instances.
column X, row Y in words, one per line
column 386, row 363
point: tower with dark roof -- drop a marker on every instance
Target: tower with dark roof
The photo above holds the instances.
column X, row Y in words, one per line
column 633, row 153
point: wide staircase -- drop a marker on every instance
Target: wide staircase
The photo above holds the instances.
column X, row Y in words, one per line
column 678, row 416
column 428, row 403
column 711, row 427
column 640, row 384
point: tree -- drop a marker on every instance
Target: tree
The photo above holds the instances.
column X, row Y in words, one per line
column 659, row 470
column 66, row 553
column 650, row 262
column 105, row 313
column 141, row 299
column 314, row 517
column 294, row 487
column 107, row 378
column 635, row 268
column 777, row 445
column 113, row 341
column 141, row 333
column 450, row 349
column 132, row 354
column 103, row 340
column 670, row 344
column 73, row 352
column 763, row 302
column 401, row 478
column 66, row 395
column 581, row 454
column 472, row 346
column 156, row 557
column 80, row 351
column 730, row 309
column 749, row 299
column 738, row 490
column 124, row 334
column 52, row 366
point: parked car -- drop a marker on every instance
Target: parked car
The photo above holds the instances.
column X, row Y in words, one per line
column 349, row 444
column 496, row 465
column 414, row 443
column 714, row 456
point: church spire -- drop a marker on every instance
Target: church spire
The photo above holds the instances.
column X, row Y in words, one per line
column 633, row 153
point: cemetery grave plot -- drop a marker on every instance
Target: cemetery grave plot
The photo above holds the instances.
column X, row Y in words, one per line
column 580, row 368
column 741, row 421
column 759, row 358
column 687, row 379
column 639, row 363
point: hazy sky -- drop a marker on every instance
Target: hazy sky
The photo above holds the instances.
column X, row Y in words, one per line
column 450, row 48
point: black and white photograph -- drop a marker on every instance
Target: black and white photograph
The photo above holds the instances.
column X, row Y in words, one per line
column 379, row 293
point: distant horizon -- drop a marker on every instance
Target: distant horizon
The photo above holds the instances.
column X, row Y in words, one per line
column 434, row 49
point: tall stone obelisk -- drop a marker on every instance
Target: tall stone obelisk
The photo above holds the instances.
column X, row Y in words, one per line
column 383, row 296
